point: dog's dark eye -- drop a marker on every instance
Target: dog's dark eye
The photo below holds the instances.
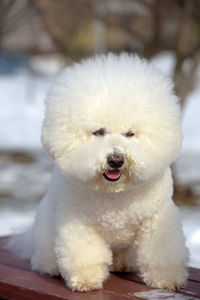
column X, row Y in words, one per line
column 99, row 132
column 129, row 133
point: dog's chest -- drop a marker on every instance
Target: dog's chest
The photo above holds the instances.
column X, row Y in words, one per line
column 115, row 225
column 115, row 216
column 116, row 237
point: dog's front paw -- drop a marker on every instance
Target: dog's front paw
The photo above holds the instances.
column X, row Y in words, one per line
column 170, row 278
column 88, row 278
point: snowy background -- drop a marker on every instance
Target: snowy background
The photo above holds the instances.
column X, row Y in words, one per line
column 24, row 177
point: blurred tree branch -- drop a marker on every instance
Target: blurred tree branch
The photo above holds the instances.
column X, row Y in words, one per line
column 12, row 14
column 68, row 23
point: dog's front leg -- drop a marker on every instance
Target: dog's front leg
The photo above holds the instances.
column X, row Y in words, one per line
column 160, row 250
column 83, row 257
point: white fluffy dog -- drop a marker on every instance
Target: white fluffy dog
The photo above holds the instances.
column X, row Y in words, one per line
column 112, row 126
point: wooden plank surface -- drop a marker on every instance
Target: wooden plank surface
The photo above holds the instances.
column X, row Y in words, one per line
column 17, row 281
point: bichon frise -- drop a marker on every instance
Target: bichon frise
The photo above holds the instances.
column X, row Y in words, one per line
column 112, row 125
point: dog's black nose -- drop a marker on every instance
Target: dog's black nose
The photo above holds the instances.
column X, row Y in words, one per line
column 115, row 160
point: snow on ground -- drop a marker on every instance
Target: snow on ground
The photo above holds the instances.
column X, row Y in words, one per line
column 191, row 228
column 191, row 122
column 22, row 102
column 21, row 114
column 12, row 222
column 191, row 113
column 22, row 97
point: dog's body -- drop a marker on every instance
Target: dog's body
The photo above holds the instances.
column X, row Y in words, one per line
column 112, row 125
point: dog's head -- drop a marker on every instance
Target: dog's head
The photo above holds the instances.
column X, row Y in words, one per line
column 112, row 122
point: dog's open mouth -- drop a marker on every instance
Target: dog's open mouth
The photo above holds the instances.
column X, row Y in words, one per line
column 112, row 175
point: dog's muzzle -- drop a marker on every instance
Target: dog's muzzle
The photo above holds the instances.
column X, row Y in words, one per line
column 114, row 161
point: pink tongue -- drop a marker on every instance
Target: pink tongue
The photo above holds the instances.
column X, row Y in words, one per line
column 113, row 174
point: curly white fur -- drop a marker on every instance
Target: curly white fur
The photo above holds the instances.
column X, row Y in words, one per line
column 87, row 225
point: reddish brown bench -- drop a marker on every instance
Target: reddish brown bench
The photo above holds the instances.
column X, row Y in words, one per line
column 17, row 281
